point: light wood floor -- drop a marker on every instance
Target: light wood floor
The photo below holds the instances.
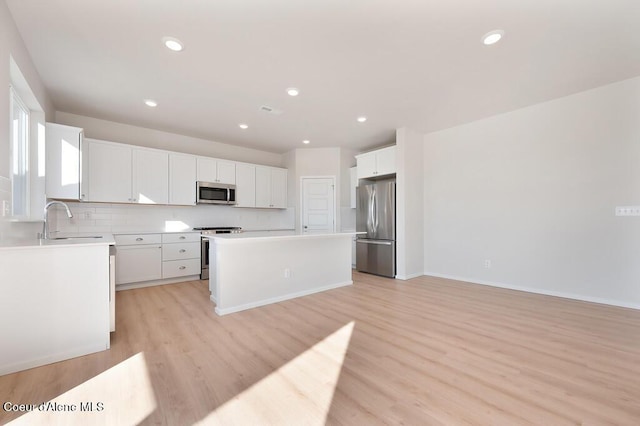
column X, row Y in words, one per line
column 424, row 351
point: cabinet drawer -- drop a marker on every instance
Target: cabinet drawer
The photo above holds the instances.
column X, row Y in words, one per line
column 181, row 251
column 137, row 239
column 180, row 268
column 187, row 237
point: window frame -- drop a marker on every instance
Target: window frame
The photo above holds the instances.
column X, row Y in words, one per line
column 25, row 141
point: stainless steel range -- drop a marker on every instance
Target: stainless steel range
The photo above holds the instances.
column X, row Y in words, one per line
column 204, row 254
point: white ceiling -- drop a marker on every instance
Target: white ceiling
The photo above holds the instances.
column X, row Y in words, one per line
column 414, row 63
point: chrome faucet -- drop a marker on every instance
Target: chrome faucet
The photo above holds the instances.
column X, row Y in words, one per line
column 45, row 227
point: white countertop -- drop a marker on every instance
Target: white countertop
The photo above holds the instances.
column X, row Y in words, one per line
column 274, row 235
column 153, row 231
column 73, row 241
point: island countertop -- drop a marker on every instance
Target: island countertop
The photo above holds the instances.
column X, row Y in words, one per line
column 276, row 235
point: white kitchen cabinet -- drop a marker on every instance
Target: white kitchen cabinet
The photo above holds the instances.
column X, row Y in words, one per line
column 245, row 185
column 180, row 255
column 110, row 173
column 182, row 179
column 263, row 186
column 150, row 184
column 138, row 258
column 353, row 175
column 271, row 187
column 279, row 188
column 152, row 259
column 376, row 163
column 63, row 162
column 119, row 173
column 214, row 170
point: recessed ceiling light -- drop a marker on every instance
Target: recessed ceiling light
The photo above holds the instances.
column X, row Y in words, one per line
column 306, row 142
column 292, row 91
column 173, row 43
column 150, row 103
column 492, row 37
column 362, row 119
column 243, row 126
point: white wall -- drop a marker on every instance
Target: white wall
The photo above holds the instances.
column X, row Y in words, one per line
column 312, row 162
column 409, row 204
column 534, row 192
column 12, row 46
column 141, row 136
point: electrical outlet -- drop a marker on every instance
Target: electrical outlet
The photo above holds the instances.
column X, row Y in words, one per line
column 628, row 211
column 287, row 272
column 487, row 264
column 87, row 215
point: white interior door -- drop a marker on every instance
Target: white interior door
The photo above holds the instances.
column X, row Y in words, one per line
column 318, row 205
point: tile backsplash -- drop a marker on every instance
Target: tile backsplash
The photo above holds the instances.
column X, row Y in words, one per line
column 114, row 218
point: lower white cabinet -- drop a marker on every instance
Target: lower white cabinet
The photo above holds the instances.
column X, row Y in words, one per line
column 152, row 257
column 180, row 255
column 180, row 268
column 138, row 263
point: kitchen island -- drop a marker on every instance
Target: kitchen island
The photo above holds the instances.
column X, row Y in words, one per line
column 253, row 269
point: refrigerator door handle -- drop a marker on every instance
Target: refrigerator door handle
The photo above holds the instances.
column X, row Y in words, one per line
column 370, row 224
column 374, row 209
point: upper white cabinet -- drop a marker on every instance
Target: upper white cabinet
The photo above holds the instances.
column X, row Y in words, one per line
column 214, row 170
column 118, row 173
column 150, row 184
column 110, row 172
column 245, row 185
column 63, row 161
column 271, row 187
column 376, row 163
column 182, row 179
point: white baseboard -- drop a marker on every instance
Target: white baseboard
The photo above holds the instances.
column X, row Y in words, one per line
column 289, row 296
column 539, row 291
column 409, row 276
column 50, row 359
column 143, row 284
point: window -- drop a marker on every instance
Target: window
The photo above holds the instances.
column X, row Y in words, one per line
column 19, row 135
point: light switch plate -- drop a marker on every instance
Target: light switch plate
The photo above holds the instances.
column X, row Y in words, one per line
column 628, row 211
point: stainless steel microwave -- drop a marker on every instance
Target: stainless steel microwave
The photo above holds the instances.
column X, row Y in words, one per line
column 215, row 193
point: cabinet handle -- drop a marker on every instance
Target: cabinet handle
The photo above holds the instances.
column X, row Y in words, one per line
column 139, row 239
column 182, row 250
column 182, row 267
column 183, row 237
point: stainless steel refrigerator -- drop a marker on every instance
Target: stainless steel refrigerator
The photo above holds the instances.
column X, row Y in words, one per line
column 376, row 215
